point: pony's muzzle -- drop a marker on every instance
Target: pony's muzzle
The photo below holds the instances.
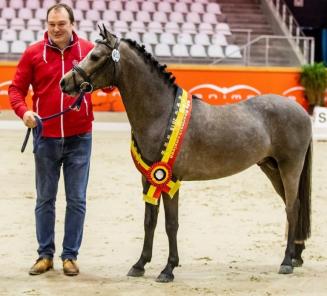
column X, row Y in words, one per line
column 62, row 84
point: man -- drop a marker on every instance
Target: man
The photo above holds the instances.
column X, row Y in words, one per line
column 66, row 140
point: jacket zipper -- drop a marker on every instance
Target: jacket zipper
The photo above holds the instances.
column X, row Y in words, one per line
column 62, row 95
column 37, row 105
column 86, row 106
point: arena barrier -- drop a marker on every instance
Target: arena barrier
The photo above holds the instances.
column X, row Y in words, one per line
column 214, row 84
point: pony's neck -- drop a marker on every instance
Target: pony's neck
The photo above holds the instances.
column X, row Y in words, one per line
column 147, row 97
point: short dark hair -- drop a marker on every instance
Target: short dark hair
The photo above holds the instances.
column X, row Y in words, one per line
column 65, row 6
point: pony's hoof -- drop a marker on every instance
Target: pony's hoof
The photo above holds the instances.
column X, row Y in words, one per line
column 136, row 272
column 297, row 262
column 165, row 278
column 285, row 269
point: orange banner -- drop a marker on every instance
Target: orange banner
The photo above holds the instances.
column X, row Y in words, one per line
column 101, row 101
column 225, row 85
column 215, row 85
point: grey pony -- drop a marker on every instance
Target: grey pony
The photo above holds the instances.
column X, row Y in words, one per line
column 269, row 130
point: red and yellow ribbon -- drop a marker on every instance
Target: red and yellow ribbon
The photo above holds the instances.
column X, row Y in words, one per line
column 159, row 175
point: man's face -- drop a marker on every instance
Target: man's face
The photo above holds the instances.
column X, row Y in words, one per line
column 59, row 27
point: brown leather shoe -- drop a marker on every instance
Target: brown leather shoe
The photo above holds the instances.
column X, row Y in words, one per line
column 70, row 267
column 41, row 265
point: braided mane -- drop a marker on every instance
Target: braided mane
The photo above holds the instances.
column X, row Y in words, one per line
column 149, row 59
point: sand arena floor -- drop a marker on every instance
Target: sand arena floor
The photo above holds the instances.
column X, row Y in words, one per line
column 231, row 235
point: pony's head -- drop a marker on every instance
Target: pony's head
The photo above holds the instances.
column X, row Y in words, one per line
column 97, row 70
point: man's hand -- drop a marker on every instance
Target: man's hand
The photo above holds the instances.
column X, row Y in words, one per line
column 29, row 119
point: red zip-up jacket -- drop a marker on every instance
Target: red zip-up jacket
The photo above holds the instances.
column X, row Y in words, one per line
column 42, row 66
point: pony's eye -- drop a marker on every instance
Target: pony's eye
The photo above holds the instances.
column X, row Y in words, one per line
column 94, row 57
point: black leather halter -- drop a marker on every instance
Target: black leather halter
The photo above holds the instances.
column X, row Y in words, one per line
column 87, row 86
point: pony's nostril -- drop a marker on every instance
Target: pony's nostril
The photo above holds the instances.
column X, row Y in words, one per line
column 62, row 83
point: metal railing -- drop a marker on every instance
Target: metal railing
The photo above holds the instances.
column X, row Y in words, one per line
column 288, row 24
column 286, row 17
column 291, row 49
column 272, row 50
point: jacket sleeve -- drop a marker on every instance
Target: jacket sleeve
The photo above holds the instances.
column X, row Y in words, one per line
column 19, row 87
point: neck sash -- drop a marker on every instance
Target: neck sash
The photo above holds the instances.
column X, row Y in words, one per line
column 158, row 174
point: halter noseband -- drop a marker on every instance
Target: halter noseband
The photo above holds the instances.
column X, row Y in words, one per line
column 87, row 85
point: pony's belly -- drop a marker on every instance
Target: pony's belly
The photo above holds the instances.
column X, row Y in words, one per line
column 213, row 169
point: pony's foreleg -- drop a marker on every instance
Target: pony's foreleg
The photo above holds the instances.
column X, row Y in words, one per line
column 171, row 219
column 150, row 223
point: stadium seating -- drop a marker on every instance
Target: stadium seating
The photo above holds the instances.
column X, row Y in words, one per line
column 168, row 29
column 27, row 35
column 155, row 27
column 8, row 13
column 32, row 4
column 132, row 6
column 4, row 46
column 48, row 3
column 215, row 51
column 17, row 24
column 184, row 38
column 198, row 51
column 162, row 50
column 86, row 25
column 176, row 17
column 34, row 24
column 137, row 26
column 133, row 36
column 180, row 50
column 18, row 46
column 143, row 16
column 167, row 38
column 150, row 38
column 110, row 16
column 3, row 24
column 219, row 39
column 25, row 13
column 99, row 5
column 188, row 27
column 172, row 27
column 9, row 35
column 160, row 16
column 201, row 39
column 233, row 51
column 16, row 4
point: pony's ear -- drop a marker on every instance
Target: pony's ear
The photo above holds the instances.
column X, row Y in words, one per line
column 103, row 31
column 111, row 39
column 106, row 35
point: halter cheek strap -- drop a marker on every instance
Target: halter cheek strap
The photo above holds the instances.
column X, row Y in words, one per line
column 87, row 85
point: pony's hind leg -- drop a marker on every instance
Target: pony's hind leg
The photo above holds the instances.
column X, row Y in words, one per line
column 297, row 183
column 171, row 221
column 291, row 174
column 297, row 260
column 150, row 223
column 270, row 167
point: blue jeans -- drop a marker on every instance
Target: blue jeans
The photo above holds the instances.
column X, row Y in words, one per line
column 73, row 154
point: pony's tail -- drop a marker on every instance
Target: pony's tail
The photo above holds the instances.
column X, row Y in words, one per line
column 303, row 229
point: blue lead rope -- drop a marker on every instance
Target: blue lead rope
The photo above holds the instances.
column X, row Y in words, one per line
column 37, row 131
